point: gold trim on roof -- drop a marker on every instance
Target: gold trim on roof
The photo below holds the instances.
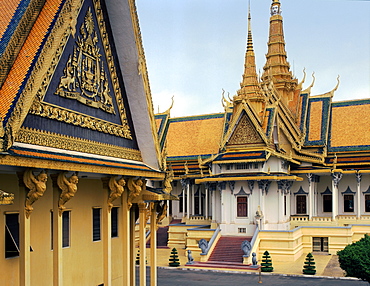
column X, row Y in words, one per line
column 249, row 178
column 16, row 161
column 143, row 71
column 49, row 139
column 43, row 70
column 66, row 89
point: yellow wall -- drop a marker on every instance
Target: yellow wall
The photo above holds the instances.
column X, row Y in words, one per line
column 83, row 260
column 289, row 245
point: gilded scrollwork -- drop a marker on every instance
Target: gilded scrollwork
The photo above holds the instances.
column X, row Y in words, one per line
column 68, row 187
column 68, row 116
column 100, row 94
column 37, row 187
column 85, row 79
column 116, row 186
column 44, row 138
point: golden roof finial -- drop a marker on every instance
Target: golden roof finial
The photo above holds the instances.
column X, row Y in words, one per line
column 249, row 86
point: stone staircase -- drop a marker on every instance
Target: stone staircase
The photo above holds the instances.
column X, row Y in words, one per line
column 228, row 249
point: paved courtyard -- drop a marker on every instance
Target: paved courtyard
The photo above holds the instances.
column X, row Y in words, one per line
column 180, row 277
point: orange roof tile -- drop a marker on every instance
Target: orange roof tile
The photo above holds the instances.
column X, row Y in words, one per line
column 7, row 10
column 194, row 137
column 314, row 131
column 26, row 55
column 350, row 125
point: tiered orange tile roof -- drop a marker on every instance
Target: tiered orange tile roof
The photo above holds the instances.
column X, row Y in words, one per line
column 27, row 56
column 350, row 123
column 197, row 135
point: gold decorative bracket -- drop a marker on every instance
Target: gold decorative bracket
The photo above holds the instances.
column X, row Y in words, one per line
column 37, row 187
column 68, row 187
column 116, row 187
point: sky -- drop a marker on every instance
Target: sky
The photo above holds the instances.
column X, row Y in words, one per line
column 195, row 49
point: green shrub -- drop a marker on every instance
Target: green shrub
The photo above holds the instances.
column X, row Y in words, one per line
column 354, row 259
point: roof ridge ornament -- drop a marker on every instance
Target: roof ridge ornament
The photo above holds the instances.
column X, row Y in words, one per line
column 308, row 89
column 275, row 8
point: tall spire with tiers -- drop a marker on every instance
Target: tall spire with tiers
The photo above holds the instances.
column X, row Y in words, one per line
column 249, row 87
column 277, row 66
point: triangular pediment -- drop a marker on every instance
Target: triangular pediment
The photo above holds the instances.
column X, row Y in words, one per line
column 82, row 97
column 245, row 133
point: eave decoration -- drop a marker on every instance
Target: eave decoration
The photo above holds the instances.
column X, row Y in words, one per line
column 6, row 198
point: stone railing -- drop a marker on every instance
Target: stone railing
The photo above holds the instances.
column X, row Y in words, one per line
column 321, row 219
column 299, row 218
column 206, row 252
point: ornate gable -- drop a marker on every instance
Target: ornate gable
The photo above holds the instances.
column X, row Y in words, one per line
column 82, row 99
column 245, row 133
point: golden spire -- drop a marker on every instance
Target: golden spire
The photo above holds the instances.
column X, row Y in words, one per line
column 249, row 87
column 277, row 65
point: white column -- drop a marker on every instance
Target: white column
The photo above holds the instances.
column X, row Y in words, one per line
column 310, row 195
column 187, row 200
column 206, row 203
column 280, row 205
column 358, row 194
column 213, row 206
column 192, row 199
column 336, row 176
column 183, row 202
column 200, row 200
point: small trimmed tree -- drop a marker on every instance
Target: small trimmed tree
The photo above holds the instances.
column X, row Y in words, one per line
column 174, row 258
column 355, row 259
column 309, row 265
column 266, row 265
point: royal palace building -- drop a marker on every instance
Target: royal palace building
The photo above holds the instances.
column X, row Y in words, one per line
column 78, row 145
column 281, row 166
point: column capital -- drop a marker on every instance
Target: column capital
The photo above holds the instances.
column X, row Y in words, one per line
column 358, row 177
column 264, row 186
column 336, row 177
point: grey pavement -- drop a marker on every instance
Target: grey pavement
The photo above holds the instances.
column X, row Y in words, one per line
column 186, row 277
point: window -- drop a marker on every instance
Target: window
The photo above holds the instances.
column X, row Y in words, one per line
column 301, row 204
column 320, row 244
column 96, row 224
column 240, row 166
column 367, row 203
column 348, row 203
column 242, row 230
column 11, row 235
column 284, row 204
column 114, row 222
column 242, row 206
column 327, row 203
column 66, row 223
